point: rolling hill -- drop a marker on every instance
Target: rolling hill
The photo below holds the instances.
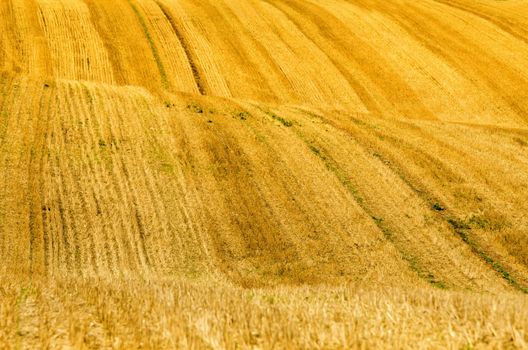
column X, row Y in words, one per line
column 263, row 174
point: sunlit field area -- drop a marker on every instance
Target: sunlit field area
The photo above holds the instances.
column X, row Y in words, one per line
column 263, row 174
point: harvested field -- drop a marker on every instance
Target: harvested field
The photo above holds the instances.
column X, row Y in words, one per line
column 263, row 174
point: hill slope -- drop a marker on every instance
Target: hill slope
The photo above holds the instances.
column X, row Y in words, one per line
column 308, row 174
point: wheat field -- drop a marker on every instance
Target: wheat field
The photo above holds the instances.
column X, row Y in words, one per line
column 263, row 174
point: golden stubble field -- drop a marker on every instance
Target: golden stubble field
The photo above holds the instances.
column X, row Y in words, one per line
column 257, row 174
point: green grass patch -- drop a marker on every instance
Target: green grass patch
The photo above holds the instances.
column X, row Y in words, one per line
column 334, row 168
column 438, row 207
column 424, row 274
column 458, row 224
column 281, row 120
column 461, row 228
column 285, row 122
column 493, row 221
column 411, row 260
column 243, row 115
column 195, row 108
column 168, row 104
column 167, row 167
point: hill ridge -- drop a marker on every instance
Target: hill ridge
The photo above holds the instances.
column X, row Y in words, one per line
column 263, row 173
